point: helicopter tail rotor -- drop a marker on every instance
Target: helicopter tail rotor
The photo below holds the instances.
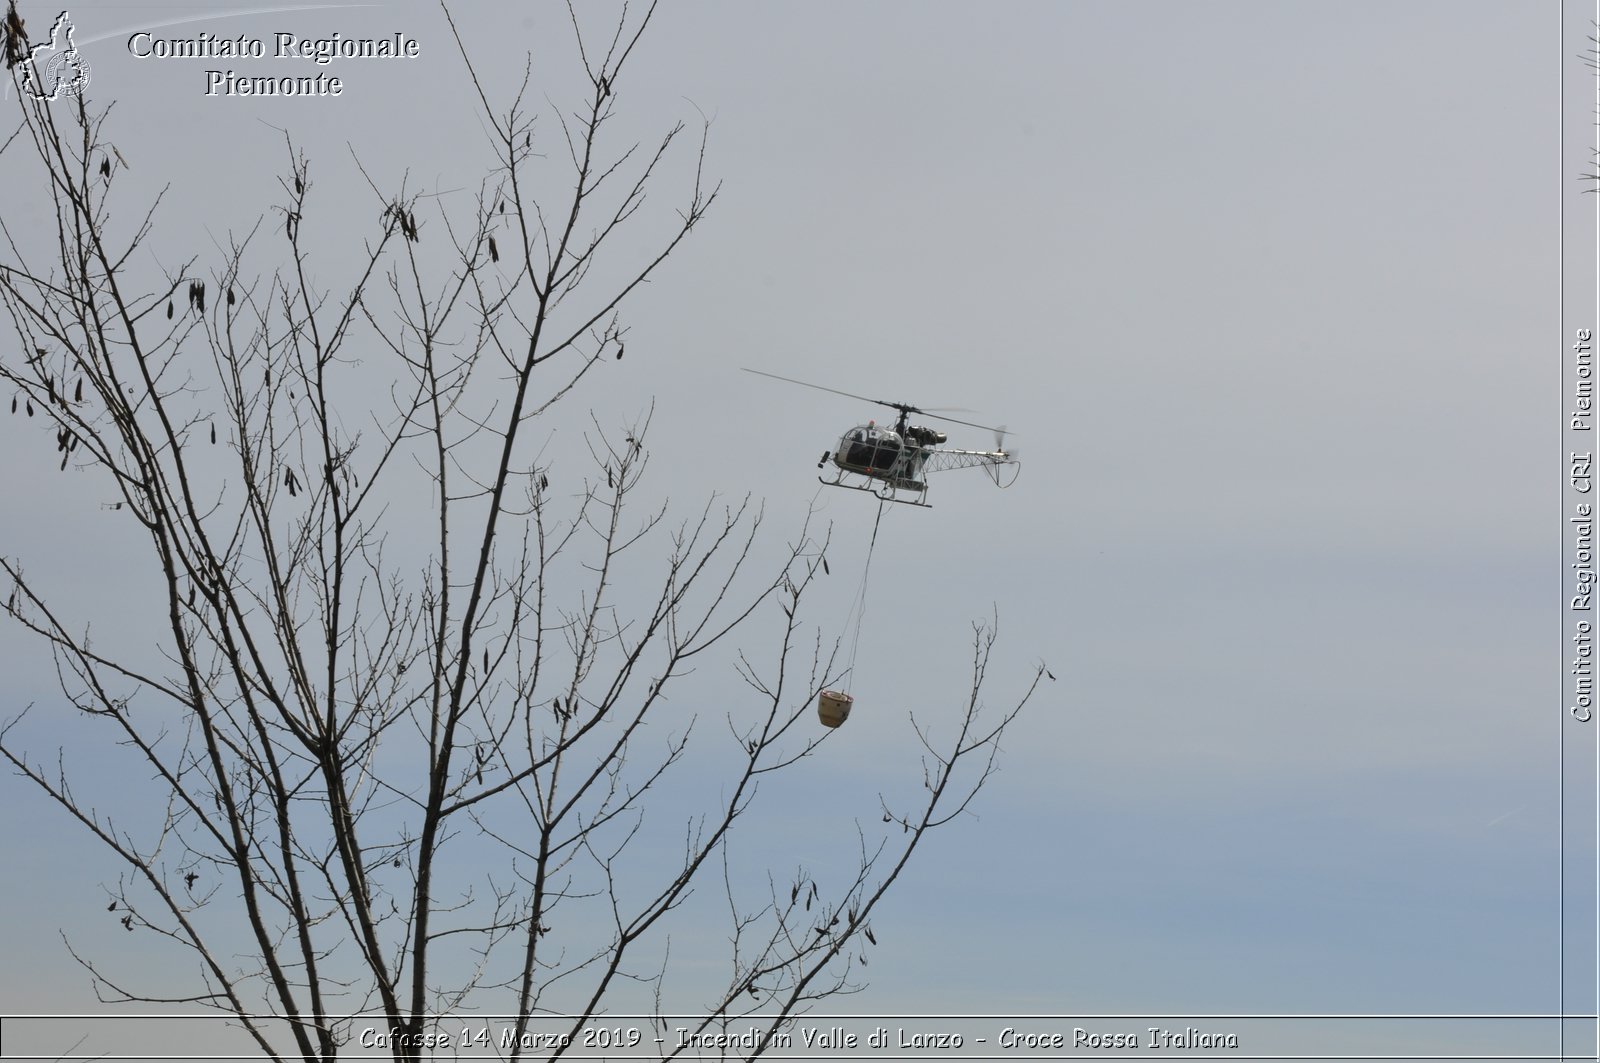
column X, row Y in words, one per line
column 1002, row 458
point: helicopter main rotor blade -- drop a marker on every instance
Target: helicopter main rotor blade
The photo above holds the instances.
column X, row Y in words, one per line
column 969, row 424
column 836, row 391
column 881, row 402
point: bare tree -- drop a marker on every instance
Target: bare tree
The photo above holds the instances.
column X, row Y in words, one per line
column 403, row 688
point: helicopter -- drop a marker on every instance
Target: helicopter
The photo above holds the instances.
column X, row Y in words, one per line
column 890, row 461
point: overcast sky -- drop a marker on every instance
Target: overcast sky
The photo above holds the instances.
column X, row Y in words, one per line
column 1265, row 292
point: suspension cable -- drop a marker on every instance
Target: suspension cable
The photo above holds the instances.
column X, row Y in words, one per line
column 860, row 605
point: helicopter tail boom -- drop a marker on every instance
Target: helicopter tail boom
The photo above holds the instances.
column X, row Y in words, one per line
column 944, row 460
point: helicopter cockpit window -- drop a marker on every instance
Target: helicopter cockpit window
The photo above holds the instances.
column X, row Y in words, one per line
column 869, row 447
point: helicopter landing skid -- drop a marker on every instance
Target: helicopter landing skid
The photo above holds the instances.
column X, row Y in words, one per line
column 887, row 495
